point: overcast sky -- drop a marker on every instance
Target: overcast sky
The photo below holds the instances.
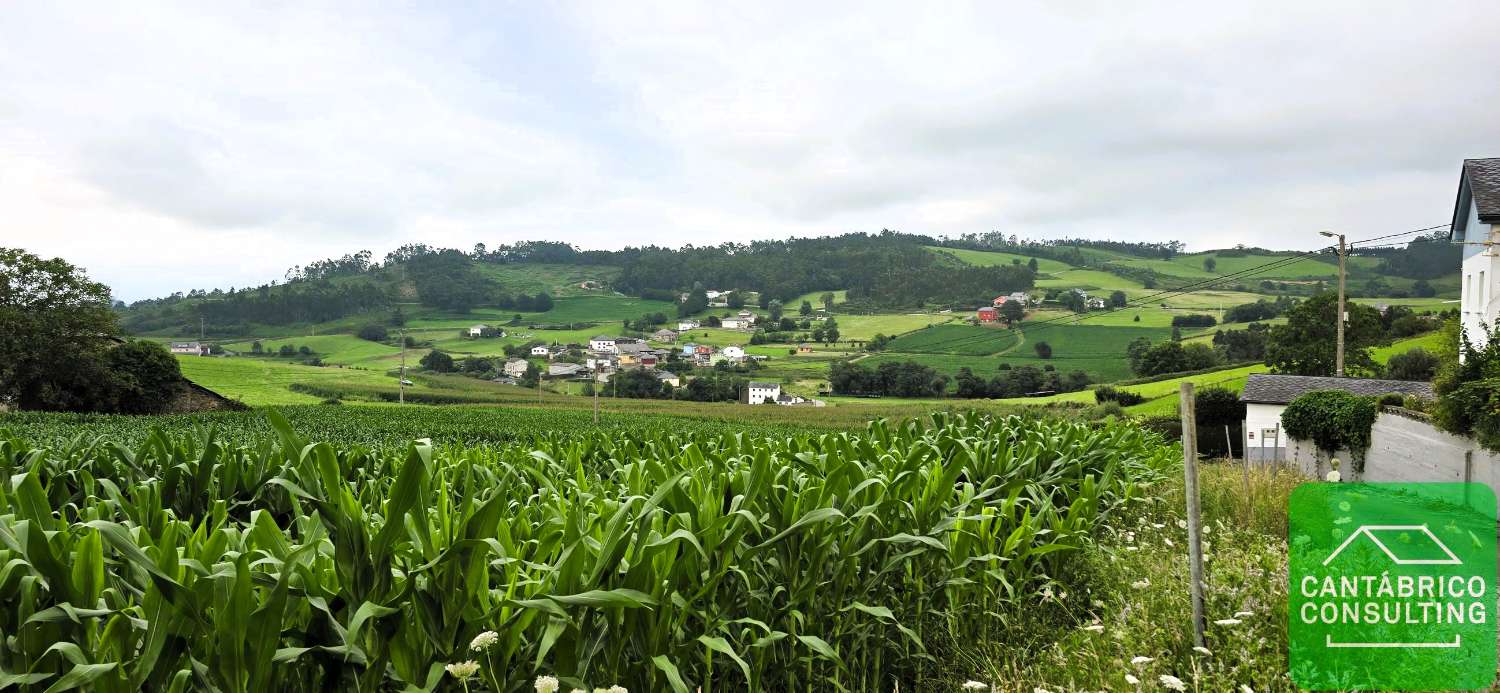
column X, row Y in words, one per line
column 170, row 147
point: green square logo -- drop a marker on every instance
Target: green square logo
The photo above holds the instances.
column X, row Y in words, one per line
column 1392, row 586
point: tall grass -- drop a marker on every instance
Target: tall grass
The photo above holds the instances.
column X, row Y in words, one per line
column 659, row 561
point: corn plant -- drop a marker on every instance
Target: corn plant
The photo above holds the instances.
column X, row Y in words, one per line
column 654, row 560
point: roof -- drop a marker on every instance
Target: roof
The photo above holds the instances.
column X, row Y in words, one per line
column 1483, row 176
column 1269, row 388
column 666, row 375
column 987, row 309
column 601, row 337
column 763, row 385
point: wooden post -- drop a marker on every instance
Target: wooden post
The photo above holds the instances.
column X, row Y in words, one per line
column 1190, row 488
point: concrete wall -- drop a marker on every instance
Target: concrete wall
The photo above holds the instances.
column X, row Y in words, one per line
column 1263, row 438
column 1478, row 307
column 1405, row 447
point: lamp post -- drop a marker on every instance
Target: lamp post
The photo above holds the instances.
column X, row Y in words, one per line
column 1338, row 354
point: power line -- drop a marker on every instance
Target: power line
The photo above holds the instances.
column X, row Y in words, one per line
column 1403, row 233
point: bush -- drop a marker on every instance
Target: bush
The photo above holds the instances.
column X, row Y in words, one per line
column 374, row 332
column 1416, row 364
column 1217, row 406
column 1043, row 350
column 1469, row 393
column 1194, row 320
column 1332, row 420
column 1125, row 398
column 437, row 361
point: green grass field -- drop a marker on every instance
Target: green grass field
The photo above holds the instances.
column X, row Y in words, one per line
column 968, row 340
column 982, row 258
column 557, row 280
column 862, row 327
column 264, row 381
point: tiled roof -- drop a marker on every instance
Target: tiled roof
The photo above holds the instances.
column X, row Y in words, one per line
column 1268, row 388
column 1484, row 183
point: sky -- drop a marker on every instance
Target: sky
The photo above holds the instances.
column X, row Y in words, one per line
column 172, row 146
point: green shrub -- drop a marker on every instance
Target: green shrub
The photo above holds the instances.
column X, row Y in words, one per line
column 1332, row 420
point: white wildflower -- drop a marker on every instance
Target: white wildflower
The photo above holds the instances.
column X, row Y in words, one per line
column 1334, row 476
column 463, row 670
column 1182, row 524
column 1169, row 541
column 1132, row 680
column 1039, row 689
column 1096, row 628
column 1202, row 650
column 1140, row 584
column 976, row 686
column 617, row 688
column 1172, row 682
column 1243, row 614
column 1227, row 622
column 484, row 641
column 1245, row 688
column 1137, row 661
column 1158, row 525
column 546, row 684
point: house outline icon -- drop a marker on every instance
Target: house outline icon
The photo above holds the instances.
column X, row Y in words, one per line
column 1368, row 531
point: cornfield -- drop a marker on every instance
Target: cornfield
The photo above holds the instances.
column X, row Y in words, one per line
column 657, row 561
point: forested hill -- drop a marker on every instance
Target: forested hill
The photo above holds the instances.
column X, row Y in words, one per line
column 882, row 271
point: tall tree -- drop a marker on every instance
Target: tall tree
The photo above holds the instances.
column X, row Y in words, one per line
column 1305, row 345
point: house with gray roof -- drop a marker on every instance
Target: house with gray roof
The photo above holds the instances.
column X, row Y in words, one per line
column 1267, row 394
column 1476, row 224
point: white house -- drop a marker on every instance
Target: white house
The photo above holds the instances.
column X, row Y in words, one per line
column 669, row 378
column 685, row 325
column 734, row 353
column 478, row 330
column 602, row 344
column 1476, row 222
column 515, row 368
column 1266, row 396
column 193, row 348
column 736, row 324
column 759, row 393
column 540, row 350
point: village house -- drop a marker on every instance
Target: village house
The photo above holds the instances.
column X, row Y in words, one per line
column 760, row 392
column 541, row 350
column 191, row 348
column 664, row 335
column 736, row 324
column 669, row 378
column 735, row 354
column 1476, row 224
column 478, row 330
column 685, row 325
column 602, row 344
column 703, row 354
column 804, row 348
column 515, row 368
column 987, row 314
column 1095, row 304
column 1267, row 394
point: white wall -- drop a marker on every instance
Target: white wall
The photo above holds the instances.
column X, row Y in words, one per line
column 1405, row 447
column 1258, row 419
column 1479, row 306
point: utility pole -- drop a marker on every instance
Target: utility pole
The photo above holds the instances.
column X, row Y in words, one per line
column 1343, row 313
column 401, row 379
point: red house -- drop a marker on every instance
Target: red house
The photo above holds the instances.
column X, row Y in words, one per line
column 988, row 315
column 1000, row 300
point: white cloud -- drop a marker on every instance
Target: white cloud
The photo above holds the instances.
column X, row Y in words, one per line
column 168, row 147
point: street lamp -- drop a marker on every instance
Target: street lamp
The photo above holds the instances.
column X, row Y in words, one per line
column 1338, row 355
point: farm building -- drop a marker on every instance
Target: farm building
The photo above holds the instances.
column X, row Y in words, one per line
column 540, row 350
column 804, row 348
column 566, row 370
column 1476, row 223
column 987, row 315
column 192, row 348
column 478, row 330
column 685, row 325
column 759, row 392
column 1266, row 396
column 664, row 335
